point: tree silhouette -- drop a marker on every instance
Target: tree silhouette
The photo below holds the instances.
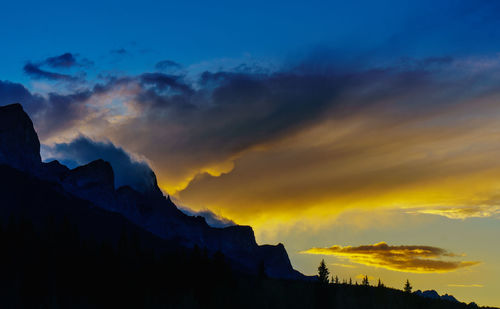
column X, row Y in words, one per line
column 323, row 272
column 408, row 286
column 380, row 284
column 365, row 281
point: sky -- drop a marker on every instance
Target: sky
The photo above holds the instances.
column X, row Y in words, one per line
column 364, row 133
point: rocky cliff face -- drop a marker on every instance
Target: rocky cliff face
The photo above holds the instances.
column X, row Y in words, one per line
column 19, row 145
column 94, row 182
column 149, row 209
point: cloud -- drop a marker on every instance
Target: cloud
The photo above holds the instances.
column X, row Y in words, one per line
column 415, row 259
column 63, row 110
column 386, row 138
column 51, row 113
column 16, row 93
column 66, row 60
column 464, row 212
column 212, row 218
column 128, row 169
column 344, row 265
column 188, row 130
column 163, row 82
column 167, row 66
column 34, row 71
column 466, row 285
column 312, row 138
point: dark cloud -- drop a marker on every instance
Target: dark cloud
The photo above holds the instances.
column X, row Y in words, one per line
column 203, row 126
column 163, row 82
column 17, row 93
column 34, row 71
column 188, row 127
column 66, row 60
column 128, row 171
column 168, row 65
column 418, row 259
column 234, row 111
column 51, row 113
column 63, row 111
column 227, row 114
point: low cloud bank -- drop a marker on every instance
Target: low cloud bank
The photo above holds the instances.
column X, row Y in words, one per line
column 128, row 170
column 415, row 258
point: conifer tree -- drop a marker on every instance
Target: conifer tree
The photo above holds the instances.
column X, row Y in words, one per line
column 380, row 284
column 408, row 286
column 323, row 272
column 365, row 281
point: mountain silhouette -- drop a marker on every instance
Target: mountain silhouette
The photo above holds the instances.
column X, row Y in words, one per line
column 92, row 186
column 434, row 295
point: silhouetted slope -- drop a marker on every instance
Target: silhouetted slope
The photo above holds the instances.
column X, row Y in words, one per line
column 150, row 210
column 40, row 202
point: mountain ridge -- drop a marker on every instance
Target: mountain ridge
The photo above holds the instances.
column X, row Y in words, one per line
column 94, row 182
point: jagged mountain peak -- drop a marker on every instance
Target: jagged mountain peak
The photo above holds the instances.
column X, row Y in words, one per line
column 98, row 172
column 13, row 106
column 56, row 167
column 151, row 188
column 435, row 295
column 19, row 144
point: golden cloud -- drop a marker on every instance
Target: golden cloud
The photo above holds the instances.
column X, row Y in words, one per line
column 480, row 211
column 466, row 285
column 379, row 139
column 355, row 162
column 415, row 259
column 343, row 265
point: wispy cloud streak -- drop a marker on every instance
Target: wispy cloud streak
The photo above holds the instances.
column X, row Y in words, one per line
column 460, row 212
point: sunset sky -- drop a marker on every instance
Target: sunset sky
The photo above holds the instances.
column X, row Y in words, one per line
column 366, row 133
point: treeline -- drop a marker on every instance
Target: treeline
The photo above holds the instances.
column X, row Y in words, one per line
column 54, row 266
column 324, row 272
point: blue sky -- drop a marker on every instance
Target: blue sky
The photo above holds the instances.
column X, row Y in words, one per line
column 194, row 31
